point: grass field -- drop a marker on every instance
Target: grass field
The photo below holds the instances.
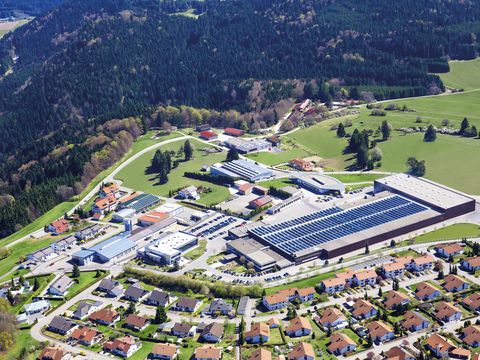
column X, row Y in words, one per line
column 22, row 340
column 442, row 157
column 456, row 231
column 463, row 74
column 6, row 27
column 135, row 176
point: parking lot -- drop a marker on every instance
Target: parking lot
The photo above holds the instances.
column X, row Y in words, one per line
column 215, row 226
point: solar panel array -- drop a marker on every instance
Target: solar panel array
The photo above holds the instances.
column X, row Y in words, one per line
column 322, row 226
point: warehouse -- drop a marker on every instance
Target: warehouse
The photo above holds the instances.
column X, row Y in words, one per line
column 141, row 202
column 168, row 249
column 241, row 169
column 412, row 204
column 319, row 184
column 108, row 250
column 122, row 215
column 247, row 146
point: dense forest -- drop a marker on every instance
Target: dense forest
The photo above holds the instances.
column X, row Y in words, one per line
column 68, row 72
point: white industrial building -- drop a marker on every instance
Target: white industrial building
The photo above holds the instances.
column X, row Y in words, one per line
column 168, row 249
column 171, row 209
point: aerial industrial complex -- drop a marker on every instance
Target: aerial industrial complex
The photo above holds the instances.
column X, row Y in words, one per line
column 400, row 204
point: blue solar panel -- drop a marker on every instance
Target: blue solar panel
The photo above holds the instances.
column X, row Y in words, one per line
column 330, row 224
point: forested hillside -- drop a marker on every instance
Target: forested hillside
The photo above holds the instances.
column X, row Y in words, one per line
column 89, row 61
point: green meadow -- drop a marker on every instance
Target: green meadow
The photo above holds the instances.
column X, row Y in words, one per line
column 452, row 160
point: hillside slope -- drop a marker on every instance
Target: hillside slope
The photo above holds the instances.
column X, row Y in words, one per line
column 89, row 61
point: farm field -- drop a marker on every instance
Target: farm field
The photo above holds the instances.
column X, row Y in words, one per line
column 135, row 175
column 6, row 27
column 456, row 231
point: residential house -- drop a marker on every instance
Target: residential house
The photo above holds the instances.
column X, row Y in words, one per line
column 190, row 192
column 455, row 283
column 212, row 333
column 135, row 293
column 394, row 299
column 460, row 353
column 425, row 291
column 421, row 263
column 220, row 307
column 397, row 353
column 413, row 321
column 472, row 301
column 124, row 346
column 298, row 326
column 110, row 189
column 471, row 335
column 61, row 325
column 301, row 165
column 260, row 354
column 306, row 294
column 54, row 353
column 302, row 351
column 364, row 278
column 333, row 285
column 207, row 352
column 471, row 264
column 275, row 140
column 158, row 297
column 164, row 352
column 60, row 286
column 136, row 322
column 183, row 330
column 89, row 232
column 448, row 250
column 332, row 318
column 105, row 316
column 64, row 243
column 187, row 305
column 86, row 336
column 273, row 323
column 259, row 333
column 111, row 287
column 105, row 205
column 447, row 312
column 42, row 255
column 363, row 309
column 341, row 344
column 439, row 345
column 58, row 227
column 84, row 309
column 380, row 331
column 392, row 270
column 38, row 307
column 282, row 298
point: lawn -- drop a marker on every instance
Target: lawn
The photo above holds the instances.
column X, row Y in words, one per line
column 198, row 251
column 312, row 281
column 356, row 178
column 277, row 183
column 456, row 231
column 275, row 158
column 86, row 279
column 136, row 175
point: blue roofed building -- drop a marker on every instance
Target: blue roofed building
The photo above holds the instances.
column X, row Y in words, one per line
column 141, row 202
column 105, row 251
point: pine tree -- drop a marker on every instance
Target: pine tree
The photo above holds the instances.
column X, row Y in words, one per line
column 341, row 131
column 386, row 130
column 10, row 297
column 160, row 315
column 362, row 157
column 430, row 135
column 131, row 308
column 36, row 284
column 232, row 155
column 188, row 150
column 465, row 124
column 75, row 271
